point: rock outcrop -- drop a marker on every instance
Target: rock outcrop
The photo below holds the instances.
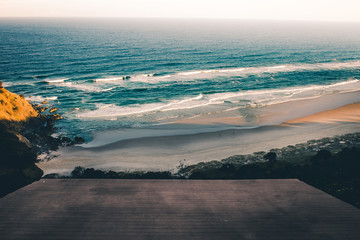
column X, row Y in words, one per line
column 26, row 131
column 14, row 107
column 17, row 155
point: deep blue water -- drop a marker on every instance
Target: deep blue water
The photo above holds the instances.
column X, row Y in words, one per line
column 113, row 73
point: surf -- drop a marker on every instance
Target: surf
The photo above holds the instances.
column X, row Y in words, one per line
column 218, row 102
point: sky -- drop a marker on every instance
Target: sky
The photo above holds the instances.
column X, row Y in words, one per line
column 308, row 10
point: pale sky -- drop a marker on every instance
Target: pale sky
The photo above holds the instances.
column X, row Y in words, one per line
column 310, row 10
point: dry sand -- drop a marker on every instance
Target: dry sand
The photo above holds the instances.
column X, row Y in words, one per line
column 347, row 113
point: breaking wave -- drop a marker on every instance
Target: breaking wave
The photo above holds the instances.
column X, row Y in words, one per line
column 206, row 104
column 109, row 83
column 55, row 81
column 41, row 98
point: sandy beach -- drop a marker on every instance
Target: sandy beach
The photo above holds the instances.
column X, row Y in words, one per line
column 165, row 152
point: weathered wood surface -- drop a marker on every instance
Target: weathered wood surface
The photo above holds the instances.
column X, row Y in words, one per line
column 175, row 209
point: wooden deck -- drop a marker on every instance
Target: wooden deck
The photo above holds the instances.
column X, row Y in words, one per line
column 175, row 209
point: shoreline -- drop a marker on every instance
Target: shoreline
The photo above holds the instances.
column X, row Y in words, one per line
column 164, row 153
column 235, row 119
column 277, row 113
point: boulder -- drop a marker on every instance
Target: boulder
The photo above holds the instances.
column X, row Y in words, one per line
column 270, row 156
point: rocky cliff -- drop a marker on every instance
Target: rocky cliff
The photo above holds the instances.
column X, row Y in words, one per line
column 14, row 107
column 25, row 133
column 17, row 154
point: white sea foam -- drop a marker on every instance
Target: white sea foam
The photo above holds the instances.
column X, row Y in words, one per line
column 231, row 70
column 40, row 98
column 55, row 80
column 112, row 110
column 51, row 98
column 162, row 77
column 88, row 87
column 111, row 79
column 7, row 84
column 141, row 78
column 108, row 89
column 220, row 101
column 85, row 87
column 148, row 75
column 276, row 67
column 191, row 73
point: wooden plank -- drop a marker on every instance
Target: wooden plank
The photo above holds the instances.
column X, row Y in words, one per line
column 175, row 209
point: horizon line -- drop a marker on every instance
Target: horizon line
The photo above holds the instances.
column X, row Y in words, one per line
column 179, row 18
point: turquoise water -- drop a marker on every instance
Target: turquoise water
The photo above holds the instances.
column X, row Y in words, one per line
column 106, row 74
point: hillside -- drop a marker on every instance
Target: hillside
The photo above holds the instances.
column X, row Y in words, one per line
column 14, row 107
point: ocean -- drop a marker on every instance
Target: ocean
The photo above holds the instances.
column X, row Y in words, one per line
column 131, row 78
